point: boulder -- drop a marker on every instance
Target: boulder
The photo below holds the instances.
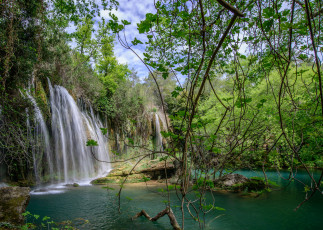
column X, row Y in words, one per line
column 72, row 185
column 13, row 203
column 253, row 185
column 240, row 183
column 230, row 180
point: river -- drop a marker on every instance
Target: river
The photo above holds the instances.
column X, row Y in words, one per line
column 273, row 210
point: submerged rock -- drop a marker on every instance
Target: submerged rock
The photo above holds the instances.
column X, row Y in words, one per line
column 13, row 203
column 72, row 185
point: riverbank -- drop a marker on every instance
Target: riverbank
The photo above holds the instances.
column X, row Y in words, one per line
column 151, row 173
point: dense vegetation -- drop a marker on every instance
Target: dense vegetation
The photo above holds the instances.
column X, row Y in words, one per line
column 251, row 95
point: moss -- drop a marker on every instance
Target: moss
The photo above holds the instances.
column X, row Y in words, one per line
column 41, row 98
column 254, row 185
column 112, row 179
column 12, row 215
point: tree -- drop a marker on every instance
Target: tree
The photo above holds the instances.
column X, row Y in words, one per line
column 202, row 41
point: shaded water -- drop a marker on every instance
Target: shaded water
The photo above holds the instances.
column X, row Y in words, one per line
column 272, row 210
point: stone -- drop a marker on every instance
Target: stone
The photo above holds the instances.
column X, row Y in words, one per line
column 158, row 171
column 230, row 180
column 13, row 203
column 72, row 185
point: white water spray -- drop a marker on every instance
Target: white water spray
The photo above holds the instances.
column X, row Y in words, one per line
column 71, row 128
column 159, row 138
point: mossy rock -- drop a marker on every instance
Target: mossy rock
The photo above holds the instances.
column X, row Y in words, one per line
column 134, row 178
column 250, row 186
column 13, row 202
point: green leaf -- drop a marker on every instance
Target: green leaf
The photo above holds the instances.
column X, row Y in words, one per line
column 175, row 93
column 165, row 75
column 268, row 24
column 46, row 218
column 136, row 42
column 91, row 143
column 125, row 22
column 26, row 213
column 131, row 141
column 268, row 12
column 104, row 131
column 113, row 16
column 219, row 208
column 145, row 179
column 303, row 57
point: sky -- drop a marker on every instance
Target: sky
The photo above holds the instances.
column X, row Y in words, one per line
column 134, row 12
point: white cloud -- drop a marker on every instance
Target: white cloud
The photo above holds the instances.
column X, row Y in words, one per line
column 134, row 12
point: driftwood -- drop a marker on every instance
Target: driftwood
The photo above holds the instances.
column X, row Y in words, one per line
column 167, row 211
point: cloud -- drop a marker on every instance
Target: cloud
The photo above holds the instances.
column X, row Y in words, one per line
column 134, row 12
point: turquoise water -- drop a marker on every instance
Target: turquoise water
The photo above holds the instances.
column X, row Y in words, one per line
column 272, row 210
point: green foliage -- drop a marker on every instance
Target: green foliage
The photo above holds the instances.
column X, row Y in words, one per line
column 203, row 183
column 46, row 222
column 104, row 130
column 91, row 143
column 145, row 179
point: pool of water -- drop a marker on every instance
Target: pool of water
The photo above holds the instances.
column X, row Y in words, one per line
column 274, row 210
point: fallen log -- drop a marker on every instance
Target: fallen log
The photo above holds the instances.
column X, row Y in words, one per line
column 167, row 211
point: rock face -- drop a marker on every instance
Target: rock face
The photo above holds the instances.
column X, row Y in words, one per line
column 13, row 202
column 158, row 171
column 154, row 170
column 230, row 180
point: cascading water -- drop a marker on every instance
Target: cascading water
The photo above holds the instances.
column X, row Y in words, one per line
column 159, row 138
column 40, row 139
column 71, row 128
column 31, row 137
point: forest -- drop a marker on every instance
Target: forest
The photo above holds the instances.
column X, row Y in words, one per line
column 217, row 117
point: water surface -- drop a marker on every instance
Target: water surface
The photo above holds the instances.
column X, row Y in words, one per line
column 272, row 210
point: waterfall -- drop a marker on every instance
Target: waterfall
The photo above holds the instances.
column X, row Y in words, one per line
column 159, row 138
column 71, row 128
column 40, row 138
column 30, row 138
